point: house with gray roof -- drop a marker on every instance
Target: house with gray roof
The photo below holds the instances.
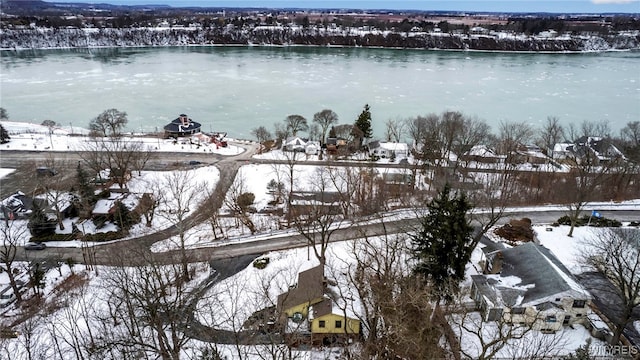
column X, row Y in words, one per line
column 596, row 149
column 527, row 284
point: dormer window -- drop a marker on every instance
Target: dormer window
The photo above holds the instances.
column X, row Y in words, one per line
column 517, row 311
column 579, row 303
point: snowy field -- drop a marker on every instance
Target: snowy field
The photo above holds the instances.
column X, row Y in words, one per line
column 25, row 136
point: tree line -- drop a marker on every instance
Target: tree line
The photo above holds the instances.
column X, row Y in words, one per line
column 407, row 283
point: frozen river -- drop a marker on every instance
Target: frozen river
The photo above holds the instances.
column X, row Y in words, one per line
column 236, row 89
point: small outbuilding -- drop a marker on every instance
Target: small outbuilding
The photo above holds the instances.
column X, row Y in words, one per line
column 181, row 126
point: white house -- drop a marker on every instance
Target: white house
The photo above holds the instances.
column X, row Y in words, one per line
column 528, row 284
column 295, row 144
column 386, row 150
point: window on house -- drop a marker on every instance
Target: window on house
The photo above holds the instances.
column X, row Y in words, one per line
column 551, row 318
column 321, row 323
column 579, row 303
column 338, row 324
column 494, row 314
column 517, row 311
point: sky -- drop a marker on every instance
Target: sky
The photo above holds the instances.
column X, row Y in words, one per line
column 551, row 6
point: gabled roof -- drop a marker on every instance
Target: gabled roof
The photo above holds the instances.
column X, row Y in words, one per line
column 295, row 141
column 310, row 287
column 315, row 197
column 182, row 124
column 391, row 146
column 530, row 275
column 482, row 151
column 603, row 148
column 17, row 203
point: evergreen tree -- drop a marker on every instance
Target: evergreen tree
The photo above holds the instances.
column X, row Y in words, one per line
column 4, row 135
column 37, row 278
column 125, row 218
column 86, row 189
column 39, row 222
column 444, row 243
column 364, row 122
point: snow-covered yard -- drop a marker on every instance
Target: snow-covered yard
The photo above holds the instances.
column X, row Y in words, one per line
column 26, row 136
column 229, row 303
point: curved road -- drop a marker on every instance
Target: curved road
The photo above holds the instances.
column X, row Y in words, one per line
column 113, row 253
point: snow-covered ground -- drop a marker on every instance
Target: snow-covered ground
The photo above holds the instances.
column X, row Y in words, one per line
column 26, row 136
column 234, row 299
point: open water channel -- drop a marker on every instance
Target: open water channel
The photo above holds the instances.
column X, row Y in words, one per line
column 236, row 89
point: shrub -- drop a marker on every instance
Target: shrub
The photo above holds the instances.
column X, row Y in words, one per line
column 53, row 237
column 591, row 221
column 106, row 236
column 516, row 230
column 261, row 263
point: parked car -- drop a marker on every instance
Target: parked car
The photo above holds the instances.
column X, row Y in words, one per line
column 45, row 171
column 7, row 296
column 194, row 162
column 35, row 246
column 7, row 333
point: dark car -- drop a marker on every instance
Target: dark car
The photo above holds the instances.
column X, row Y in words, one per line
column 45, row 171
column 35, row 246
column 194, row 162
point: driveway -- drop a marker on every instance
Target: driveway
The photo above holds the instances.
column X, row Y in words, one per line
column 609, row 302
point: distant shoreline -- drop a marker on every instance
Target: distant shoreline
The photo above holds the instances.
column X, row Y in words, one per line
column 563, row 52
column 83, row 38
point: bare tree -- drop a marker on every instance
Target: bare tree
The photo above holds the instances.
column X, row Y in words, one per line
column 316, row 214
column 472, row 132
column 282, row 132
column 596, row 129
column 314, row 132
column 551, row 133
column 325, row 118
column 396, row 314
column 394, row 130
column 239, row 201
column 109, row 123
column 630, row 138
column 181, row 192
column 296, row 123
column 631, row 133
column 513, row 135
column 585, row 177
column 12, row 235
column 417, row 129
column 118, row 155
column 50, row 124
column 262, row 134
column 491, row 200
column 145, row 308
column 56, row 192
column 291, row 163
column 483, row 340
column 615, row 253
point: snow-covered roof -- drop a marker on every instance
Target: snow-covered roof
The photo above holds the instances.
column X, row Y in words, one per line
column 64, row 200
column 393, row 146
column 482, row 151
column 182, row 124
column 295, row 141
column 530, row 275
column 103, row 206
column 562, row 147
